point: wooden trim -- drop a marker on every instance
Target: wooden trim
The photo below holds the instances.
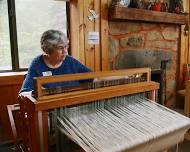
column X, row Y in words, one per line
column 4, row 74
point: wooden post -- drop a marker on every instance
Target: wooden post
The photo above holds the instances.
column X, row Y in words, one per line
column 187, row 99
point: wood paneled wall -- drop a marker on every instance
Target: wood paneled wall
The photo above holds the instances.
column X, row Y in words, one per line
column 94, row 56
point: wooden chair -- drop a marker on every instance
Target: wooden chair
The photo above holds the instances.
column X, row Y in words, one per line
column 11, row 110
column 186, row 93
column 186, row 77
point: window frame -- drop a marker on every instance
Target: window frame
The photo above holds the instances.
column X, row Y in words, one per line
column 13, row 35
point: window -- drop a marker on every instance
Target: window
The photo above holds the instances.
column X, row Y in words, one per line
column 5, row 50
column 29, row 20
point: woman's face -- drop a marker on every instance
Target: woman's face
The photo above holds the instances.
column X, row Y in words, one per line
column 59, row 53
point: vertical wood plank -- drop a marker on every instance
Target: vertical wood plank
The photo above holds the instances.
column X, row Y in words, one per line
column 187, row 99
column 182, row 53
column 152, row 95
column 74, row 33
column 93, row 56
column 82, row 27
column 187, row 4
column 97, row 29
column 45, row 130
column 104, row 35
column 89, row 48
column 31, row 120
column 183, row 50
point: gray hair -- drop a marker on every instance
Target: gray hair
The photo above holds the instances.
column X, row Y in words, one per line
column 51, row 38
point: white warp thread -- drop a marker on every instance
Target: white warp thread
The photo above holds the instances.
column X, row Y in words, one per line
column 119, row 124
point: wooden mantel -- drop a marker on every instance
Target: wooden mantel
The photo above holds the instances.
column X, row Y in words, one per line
column 133, row 14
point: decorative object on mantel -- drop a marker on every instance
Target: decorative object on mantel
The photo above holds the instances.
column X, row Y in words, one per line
column 164, row 6
column 141, row 4
column 145, row 4
column 134, row 4
column 176, row 6
column 186, row 29
column 156, row 6
column 124, row 3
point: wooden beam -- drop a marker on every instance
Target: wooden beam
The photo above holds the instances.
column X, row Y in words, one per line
column 123, row 13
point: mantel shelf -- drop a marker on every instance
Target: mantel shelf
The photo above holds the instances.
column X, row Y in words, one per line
column 133, row 14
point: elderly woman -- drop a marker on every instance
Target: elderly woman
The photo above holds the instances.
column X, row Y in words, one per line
column 54, row 61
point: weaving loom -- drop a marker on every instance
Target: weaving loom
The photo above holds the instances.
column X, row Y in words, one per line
column 114, row 113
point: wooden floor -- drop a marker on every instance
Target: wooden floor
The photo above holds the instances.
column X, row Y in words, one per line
column 182, row 147
column 2, row 135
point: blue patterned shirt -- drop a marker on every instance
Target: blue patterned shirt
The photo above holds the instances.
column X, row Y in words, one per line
column 38, row 68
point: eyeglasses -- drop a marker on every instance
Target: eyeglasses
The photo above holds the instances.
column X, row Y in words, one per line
column 62, row 47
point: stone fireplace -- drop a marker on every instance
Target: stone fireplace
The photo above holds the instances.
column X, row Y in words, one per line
column 152, row 45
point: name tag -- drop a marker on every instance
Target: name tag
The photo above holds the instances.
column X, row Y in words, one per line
column 47, row 73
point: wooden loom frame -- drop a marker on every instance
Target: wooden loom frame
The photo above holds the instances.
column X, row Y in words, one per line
column 34, row 111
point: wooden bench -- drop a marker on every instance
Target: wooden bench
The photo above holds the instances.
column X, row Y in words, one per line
column 186, row 78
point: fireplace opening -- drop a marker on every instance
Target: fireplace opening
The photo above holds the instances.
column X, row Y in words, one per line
column 160, row 77
column 157, row 60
